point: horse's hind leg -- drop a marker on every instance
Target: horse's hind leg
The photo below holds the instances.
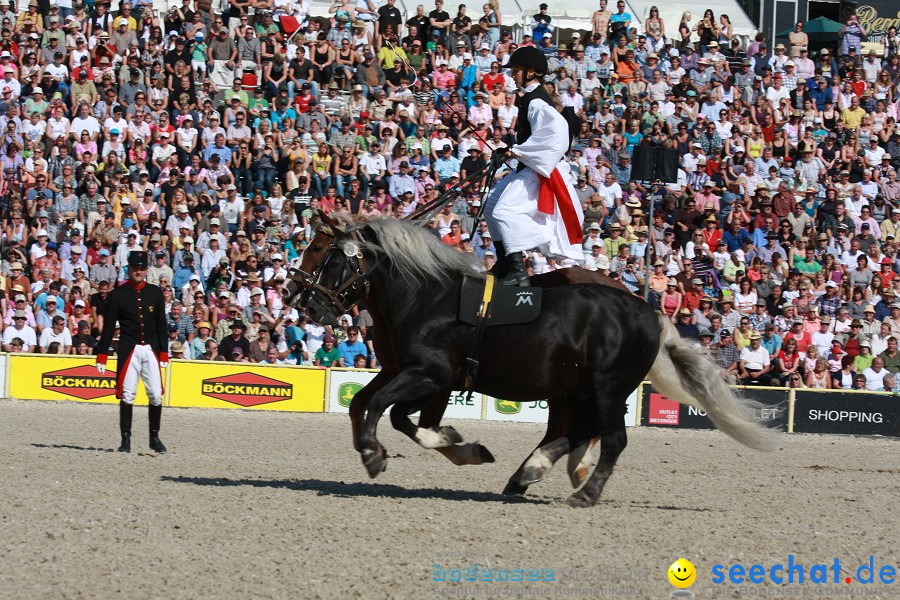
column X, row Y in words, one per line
column 613, row 440
column 579, row 464
column 557, row 441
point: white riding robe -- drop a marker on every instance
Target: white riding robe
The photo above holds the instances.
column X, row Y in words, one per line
column 512, row 211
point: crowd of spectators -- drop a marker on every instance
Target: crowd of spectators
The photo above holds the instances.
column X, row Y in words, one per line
column 212, row 139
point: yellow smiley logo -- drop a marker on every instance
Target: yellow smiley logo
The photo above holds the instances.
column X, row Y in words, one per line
column 682, row 573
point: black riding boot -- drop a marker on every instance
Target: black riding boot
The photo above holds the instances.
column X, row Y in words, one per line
column 515, row 272
column 155, row 417
column 499, row 269
column 125, row 411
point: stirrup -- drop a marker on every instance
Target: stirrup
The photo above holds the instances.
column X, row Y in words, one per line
column 514, row 279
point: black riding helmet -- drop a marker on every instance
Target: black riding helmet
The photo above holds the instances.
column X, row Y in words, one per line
column 530, row 58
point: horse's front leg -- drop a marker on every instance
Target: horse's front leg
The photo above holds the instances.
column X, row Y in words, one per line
column 360, row 403
column 429, row 434
column 411, row 387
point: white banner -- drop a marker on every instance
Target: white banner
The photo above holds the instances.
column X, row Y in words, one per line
column 344, row 383
column 3, row 362
column 536, row 411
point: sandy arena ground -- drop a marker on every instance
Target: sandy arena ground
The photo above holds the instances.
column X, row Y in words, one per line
column 252, row 504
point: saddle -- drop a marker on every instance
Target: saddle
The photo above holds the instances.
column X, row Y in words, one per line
column 482, row 303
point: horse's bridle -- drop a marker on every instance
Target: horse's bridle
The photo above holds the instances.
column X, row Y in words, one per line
column 337, row 298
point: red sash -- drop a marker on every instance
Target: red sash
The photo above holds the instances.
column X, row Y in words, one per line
column 554, row 191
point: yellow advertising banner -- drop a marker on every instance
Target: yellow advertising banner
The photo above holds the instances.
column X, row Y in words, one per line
column 52, row 377
column 246, row 385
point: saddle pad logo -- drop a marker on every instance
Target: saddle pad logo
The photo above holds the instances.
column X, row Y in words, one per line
column 246, row 389
column 524, row 298
column 82, row 382
column 346, row 392
column 507, row 407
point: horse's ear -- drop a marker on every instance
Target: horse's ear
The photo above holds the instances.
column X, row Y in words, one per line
column 327, row 219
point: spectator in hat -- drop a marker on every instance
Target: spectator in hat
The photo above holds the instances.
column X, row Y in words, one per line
column 754, row 365
column 727, row 355
column 20, row 331
column 864, row 359
column 686, row 328
column 235, row 341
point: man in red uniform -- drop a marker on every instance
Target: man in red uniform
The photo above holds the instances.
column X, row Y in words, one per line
column 140, row 310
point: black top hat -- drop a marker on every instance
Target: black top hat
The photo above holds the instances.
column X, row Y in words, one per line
column 137, row 258
column 529, row 57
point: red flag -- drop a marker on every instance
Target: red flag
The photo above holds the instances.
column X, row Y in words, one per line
column 289, row 24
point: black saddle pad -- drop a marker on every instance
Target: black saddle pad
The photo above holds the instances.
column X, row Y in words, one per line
column 508, row 305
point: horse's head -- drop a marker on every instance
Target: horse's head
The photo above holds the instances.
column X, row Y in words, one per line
column 322, row 240
column 331, row 272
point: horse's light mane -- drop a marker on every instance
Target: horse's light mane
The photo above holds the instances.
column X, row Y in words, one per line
column 418, row 254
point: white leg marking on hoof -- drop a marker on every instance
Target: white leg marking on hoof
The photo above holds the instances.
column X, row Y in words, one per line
column 580, row 463
column 428, row 438
column 538, row 460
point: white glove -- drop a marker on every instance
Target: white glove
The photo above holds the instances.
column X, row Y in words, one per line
column 163, row 365
column 101, row 368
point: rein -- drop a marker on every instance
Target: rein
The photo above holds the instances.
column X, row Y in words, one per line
column 424, row 214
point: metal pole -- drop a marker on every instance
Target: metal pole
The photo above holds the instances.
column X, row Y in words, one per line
column 652, row 246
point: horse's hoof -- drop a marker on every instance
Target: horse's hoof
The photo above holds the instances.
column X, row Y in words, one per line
column 451, row 434
column 375, row 462
column 580, row 500
column 531, row 475
column 484, row 454
column 514, row 489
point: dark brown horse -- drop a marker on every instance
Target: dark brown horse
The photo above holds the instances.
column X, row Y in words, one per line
column 585, row 366
column 558, row 421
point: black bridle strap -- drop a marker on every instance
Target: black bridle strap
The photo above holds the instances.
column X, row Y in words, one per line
column 337, row 296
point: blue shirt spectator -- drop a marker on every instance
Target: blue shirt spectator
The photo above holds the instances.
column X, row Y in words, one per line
column 350, row 347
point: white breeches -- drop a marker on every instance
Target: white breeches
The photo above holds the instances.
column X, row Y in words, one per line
column 142, row 364
column 512, row 214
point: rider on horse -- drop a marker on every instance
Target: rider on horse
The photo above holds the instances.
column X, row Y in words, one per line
column 536, row 206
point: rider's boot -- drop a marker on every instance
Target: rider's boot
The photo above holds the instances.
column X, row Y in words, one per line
column 515, row 272
column 155, row 418
column 125, row 412
column 499, row 269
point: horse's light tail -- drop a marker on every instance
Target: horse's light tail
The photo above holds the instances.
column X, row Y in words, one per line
column 684, row 375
